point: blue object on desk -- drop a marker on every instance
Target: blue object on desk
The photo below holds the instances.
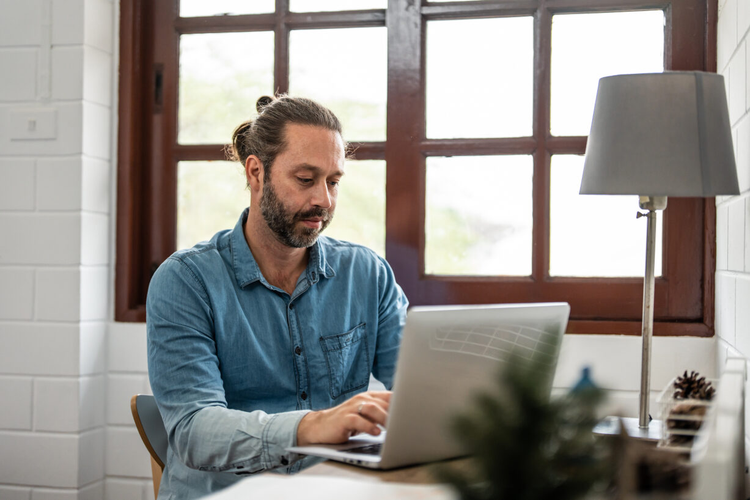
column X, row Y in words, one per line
column 585, row 381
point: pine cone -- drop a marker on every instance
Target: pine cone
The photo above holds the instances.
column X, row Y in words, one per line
column 680, row 440
column 693, row 387
column 677, row 416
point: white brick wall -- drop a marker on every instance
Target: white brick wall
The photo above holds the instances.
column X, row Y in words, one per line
column 129, row 489
column 733, row 219
column 22, row 28
column 17, row 291
column 127, row 462
column 18, row 390
column 17, row 192
column 55, row 248
column 51, row 239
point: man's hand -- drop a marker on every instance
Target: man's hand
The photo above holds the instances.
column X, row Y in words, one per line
column 362, row 413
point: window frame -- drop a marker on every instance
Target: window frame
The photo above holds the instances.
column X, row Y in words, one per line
column 148, row 154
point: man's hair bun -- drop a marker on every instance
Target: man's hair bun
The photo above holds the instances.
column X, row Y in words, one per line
column 263, row 102
column 264, row 136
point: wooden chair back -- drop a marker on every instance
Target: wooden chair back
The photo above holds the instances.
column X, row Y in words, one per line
column 150, row 426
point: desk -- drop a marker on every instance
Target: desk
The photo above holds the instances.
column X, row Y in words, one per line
column 418, row 474
column 332, row 480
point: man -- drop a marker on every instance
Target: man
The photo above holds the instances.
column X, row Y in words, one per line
column 265, row 336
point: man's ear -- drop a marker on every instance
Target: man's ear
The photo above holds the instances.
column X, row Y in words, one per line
column 254, row 173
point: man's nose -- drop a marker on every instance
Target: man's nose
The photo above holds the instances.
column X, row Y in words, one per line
column 321, row 196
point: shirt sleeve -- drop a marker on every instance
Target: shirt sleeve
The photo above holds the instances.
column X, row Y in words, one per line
column 391, row 319
column 184, row 372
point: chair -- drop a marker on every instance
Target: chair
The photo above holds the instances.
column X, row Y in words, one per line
column 151, row 428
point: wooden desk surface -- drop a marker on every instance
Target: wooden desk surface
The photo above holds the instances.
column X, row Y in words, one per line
column 418, row 474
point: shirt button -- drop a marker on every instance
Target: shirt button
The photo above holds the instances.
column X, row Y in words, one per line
column 284, row 461
column 297, row 350
column 303, row 395
column 291, row 306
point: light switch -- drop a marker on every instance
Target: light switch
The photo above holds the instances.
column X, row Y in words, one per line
column 33, row 123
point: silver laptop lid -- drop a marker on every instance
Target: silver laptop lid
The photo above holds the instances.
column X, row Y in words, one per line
column 449, row 353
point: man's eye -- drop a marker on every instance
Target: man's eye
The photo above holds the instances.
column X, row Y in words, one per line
column 304, row 180
column 334, row 183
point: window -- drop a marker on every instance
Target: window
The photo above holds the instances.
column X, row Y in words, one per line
column 465, row 208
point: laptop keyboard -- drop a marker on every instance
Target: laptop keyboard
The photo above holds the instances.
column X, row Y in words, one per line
column 368, row 449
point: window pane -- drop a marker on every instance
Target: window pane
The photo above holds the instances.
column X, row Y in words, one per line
column 344, row 69
column 195, row 8
column 479, row 78
column 595, row 235
column 211, row 195
column 360, row 208
column 333, row 5
column 587, row 47
column 222, row 75
column 479, row 215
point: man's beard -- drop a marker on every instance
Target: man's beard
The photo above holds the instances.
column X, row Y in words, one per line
column 282, row 223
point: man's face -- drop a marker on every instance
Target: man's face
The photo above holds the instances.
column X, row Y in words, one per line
column 299, row 197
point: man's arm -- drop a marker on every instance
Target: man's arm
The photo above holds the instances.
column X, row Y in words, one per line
column 184, row 373
column 392, row 307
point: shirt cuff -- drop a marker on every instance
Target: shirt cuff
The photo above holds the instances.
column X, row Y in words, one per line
column 280, row 433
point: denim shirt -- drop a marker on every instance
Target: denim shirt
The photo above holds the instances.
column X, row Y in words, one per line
column 235, row 362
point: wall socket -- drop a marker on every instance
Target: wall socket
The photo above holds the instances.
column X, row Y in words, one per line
column 33, row 124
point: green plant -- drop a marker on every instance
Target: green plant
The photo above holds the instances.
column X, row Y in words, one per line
column 527, row 447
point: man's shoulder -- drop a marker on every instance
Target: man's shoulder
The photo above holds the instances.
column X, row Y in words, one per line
column 341, row 254
column 203, row 255
column 342, row 250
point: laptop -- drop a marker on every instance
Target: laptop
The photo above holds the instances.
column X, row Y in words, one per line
column 447, row 354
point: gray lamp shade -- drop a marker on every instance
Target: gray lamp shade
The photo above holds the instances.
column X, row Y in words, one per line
column 661, row 134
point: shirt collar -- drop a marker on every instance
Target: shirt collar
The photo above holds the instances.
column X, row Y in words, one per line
column 246, row 270
column 318, row 265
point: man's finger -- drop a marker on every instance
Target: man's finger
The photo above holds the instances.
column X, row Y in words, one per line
column 373, row 412
column 381, row 403
column 382, row 395
column 359, row 423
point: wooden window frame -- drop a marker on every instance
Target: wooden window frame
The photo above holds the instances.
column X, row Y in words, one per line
column 148, row 154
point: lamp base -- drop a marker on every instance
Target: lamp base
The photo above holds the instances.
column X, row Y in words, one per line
column 610, row 426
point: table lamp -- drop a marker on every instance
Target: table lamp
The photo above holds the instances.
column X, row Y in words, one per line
column 658, row 135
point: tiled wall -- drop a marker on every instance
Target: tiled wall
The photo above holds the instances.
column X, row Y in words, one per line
column 56, row 57
column 733, row 212
column 127, row 463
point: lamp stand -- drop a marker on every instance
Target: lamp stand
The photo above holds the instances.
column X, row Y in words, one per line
column 643, row 427
column 652, row 204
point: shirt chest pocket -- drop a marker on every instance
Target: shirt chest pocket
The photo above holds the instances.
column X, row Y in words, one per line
column 348, row 358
